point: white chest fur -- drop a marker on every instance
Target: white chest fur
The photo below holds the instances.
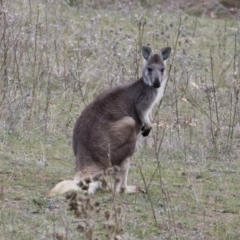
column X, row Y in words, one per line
column 160, row 91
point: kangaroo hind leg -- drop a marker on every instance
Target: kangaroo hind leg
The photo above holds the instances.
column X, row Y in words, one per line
column 121, row 179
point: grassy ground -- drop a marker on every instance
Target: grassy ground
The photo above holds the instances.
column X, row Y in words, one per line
column 56, row 57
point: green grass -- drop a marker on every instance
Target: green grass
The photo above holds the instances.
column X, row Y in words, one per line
column 57, row 58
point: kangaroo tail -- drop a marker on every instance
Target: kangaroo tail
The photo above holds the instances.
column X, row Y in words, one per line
column 89, row 184
column 63, row 187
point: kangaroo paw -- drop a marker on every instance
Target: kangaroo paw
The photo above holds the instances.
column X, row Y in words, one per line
column 145, row 132
column 133, row 189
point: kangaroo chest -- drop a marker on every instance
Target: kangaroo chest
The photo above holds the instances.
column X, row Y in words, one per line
column 158, row 96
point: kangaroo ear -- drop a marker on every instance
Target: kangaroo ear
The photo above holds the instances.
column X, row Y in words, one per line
column 146, row 52
column 165, row 52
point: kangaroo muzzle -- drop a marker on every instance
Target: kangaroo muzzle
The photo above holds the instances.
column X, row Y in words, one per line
column 156, row 83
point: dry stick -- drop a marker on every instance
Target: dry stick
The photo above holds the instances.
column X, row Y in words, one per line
column 8, row 43
column 35, row 55
column 234, row 123
column 229, row 64
column 141, row 25
column 210, row 112
column 157, row 152
column 225, row 39
column 199, row 108
column 170, row 67
column 48, row 89
column 65, row 65
column 112, row 188
column 231, row 121
column 77, row 83
column 175, row 84
column 195, row 104
column 161, row 182
column 3, row 94
column 48, row 97
column 195, row 27
column 54, row 228
column 176, row 103
column 5, row 56
column 11, row 91
column 170, row 211
column 30, row 7
column 236, row 93
column 150, row 200
column 216, row 131
column 235, row 53
column 165, row 191
column 214, row 89
column 151, row 179
column 230, row 126
column 66, row 226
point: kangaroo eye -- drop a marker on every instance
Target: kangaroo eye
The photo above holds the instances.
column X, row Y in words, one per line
column 162, row 70
column 149, row 70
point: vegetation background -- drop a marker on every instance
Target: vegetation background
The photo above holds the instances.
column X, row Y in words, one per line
column 56, row 56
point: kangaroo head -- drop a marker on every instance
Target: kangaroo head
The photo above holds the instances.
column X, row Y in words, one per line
column 153, row 70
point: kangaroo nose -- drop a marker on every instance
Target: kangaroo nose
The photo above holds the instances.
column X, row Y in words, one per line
column 156, row 83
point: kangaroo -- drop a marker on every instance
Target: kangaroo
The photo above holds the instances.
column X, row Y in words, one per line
column 106, row 132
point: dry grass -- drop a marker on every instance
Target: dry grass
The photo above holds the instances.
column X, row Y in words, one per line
column 56, row 58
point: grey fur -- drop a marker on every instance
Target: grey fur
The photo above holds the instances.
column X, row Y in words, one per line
column 105, row 134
